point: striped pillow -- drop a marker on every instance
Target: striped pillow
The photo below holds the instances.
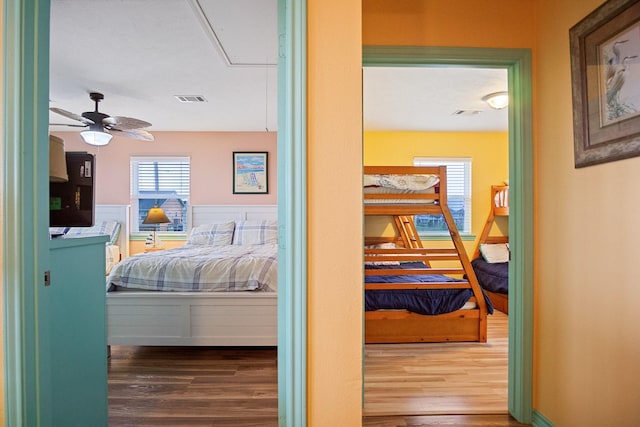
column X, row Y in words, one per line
column 257, row 232
column 217, row 234
column 110, row 228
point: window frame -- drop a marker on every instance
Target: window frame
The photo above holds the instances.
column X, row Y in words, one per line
column 135, row 195
column 467, row 163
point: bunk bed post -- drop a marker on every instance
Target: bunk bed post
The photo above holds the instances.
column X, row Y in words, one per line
column 471, row 275
column 462, row 253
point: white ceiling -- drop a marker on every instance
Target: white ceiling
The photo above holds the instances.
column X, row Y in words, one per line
column 435, row 99
column 142, row 53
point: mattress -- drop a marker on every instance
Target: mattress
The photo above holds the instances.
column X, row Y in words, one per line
column 402, row 185
column 421, row 301
column 199, row 268
column 493, row 277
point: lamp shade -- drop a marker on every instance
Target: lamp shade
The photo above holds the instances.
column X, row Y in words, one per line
column 93, row 137
column 57, row 160
column 156, row 216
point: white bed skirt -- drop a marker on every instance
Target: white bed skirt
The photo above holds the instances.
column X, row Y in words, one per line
column 188, row 319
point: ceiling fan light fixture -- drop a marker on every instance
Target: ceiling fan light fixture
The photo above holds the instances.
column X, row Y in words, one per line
column 497, row 100
column 93, row 137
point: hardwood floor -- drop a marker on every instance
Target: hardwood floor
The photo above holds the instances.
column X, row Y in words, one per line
column 442, row 420
column 439, row 378
column 193, row 386
column 219, row 386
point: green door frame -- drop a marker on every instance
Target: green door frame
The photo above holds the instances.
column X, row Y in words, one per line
column 292, row 208
column 518, row 65
column 25, row 212
column 25, row 180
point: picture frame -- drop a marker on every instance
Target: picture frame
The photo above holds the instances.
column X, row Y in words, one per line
column 605, row 77
column 250, row 172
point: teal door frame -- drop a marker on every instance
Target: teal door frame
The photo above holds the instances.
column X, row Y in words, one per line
column 292, row 213
column 25, row 180
column 25, row 209
column 517, row 62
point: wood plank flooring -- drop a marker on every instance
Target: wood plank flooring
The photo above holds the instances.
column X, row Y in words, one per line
column 439, row 378
column 218, row 386
column 193, row 386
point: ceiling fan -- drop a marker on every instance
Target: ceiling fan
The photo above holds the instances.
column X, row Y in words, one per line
column 101, row 126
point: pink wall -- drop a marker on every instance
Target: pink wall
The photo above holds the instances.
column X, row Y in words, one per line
column 211, row 163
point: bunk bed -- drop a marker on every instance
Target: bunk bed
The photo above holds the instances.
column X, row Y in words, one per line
column 401, row 267
column 491, row 257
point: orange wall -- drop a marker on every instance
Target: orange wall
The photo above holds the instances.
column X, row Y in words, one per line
column 211, row 163
column 586, row 287
column 334, row 205
column 335, row 166
column 466, row 23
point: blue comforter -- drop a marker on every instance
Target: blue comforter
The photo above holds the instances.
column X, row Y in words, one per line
column 493, row 277
column 422, row 301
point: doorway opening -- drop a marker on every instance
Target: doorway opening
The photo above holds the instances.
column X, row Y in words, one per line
column 518, row 65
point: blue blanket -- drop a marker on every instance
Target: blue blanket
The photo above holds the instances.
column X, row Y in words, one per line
column 422, row 301
column 493, row 277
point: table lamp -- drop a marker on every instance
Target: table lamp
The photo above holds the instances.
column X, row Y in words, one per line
column 156, row 216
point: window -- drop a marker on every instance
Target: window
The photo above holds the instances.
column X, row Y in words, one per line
column 162, row 181
column 458, row 196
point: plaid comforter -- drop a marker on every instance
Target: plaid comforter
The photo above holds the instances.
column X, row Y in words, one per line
column 200, row 268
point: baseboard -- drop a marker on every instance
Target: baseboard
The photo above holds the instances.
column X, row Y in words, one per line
column 539, row 420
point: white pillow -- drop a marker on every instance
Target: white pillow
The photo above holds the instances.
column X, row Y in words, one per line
column 217, row 234
column 381, row 246
column 256, row 232
column 496, row 252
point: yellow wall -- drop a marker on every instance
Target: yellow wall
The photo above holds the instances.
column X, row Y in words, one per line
column 586, row 287
column 489, row 152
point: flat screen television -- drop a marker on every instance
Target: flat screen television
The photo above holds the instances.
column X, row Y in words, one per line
column 72, row 203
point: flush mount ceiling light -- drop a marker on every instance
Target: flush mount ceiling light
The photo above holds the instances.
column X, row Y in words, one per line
column 497, row 100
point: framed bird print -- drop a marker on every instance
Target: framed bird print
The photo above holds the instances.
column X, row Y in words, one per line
column 605, row 77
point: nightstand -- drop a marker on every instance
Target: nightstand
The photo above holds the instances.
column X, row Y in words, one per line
column 147, row 250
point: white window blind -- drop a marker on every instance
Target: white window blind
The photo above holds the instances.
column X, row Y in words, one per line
column 458, row 195
column 162, row 181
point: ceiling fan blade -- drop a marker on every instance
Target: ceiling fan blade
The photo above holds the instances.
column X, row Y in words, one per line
column 68, row 124
column 124, row 123
column 140, row 134
column 71, row 115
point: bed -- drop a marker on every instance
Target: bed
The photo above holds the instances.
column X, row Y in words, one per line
column 491, row 257
column 401, row 267
column 141, row 312
column 109, row 220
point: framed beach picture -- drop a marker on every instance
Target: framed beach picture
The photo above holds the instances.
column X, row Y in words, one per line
column 250, row 172
column 605, row 76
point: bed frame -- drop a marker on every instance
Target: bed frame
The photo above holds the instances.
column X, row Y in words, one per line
column 499, row 208
column 187, row 319
column 396, row 326
column 119, row 213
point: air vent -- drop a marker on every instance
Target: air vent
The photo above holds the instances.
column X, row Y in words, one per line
column 190, row 99
column 466, row 112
